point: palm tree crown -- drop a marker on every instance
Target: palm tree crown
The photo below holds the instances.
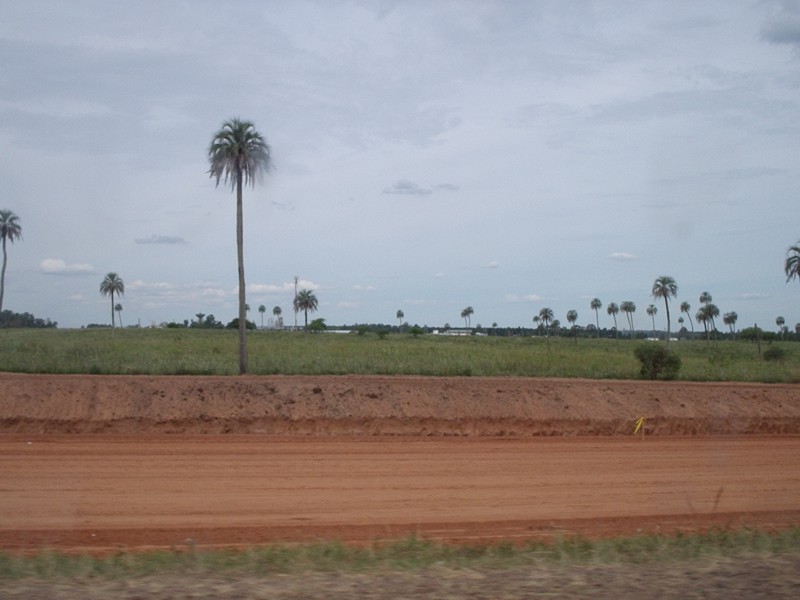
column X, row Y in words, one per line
column 239, row 155
column 666, row 288
column 305, row 301
column 10, row 230
column 112, row 284
column 792, row 264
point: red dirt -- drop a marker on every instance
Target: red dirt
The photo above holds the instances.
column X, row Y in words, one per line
column 352, row 458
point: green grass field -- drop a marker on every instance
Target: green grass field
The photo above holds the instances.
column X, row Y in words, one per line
column 214, row 352
column 411, row 553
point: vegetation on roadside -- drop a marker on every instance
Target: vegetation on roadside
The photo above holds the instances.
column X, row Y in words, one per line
column 189, row 351
column 407, row 554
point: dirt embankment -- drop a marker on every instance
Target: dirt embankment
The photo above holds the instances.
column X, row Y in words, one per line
column 366, row 406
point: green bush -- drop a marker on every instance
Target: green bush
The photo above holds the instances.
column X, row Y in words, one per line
column 775, row 353
column 657, row 362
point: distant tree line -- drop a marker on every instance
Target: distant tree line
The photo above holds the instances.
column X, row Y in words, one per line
column 11, row 319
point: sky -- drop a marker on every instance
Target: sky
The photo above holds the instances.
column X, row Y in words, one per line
column 426, row 156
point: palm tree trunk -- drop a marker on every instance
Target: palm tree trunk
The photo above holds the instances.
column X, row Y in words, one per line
column 3, row 276
column 240, row 259
column 112, row 311
column 666, row 305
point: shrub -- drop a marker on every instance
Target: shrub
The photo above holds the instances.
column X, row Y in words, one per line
column 774, row 353
column 657, row 362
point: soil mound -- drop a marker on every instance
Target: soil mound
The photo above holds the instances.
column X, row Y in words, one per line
column 372, row 406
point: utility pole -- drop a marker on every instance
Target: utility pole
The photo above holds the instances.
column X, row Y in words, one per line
column 294, row 303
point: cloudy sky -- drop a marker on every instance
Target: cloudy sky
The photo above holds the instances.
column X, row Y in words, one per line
column 428, row 155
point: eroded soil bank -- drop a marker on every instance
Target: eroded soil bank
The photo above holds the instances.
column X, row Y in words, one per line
column 374, row 405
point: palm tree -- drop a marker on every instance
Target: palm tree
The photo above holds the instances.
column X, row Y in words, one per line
column 612, row 309
column 276, row 311
column 628, row 307
column 651, row 312
column 730, row 319
column 780, row 322
column 791, row 266
column 665, row 287
column 546, row 317
column 466, row 314
column 572, row 316
column 262, row 309
column 10, row 230
column 400, row 316
column 702, row 317
column 685, row 308
column 596, row 305
column 118, row 308
column 239, row 155
column 705, row 298
column 112, row 284
column 706, row 315
column 305, row 301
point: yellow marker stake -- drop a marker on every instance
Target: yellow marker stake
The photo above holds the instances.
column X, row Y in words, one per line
column 639, row 425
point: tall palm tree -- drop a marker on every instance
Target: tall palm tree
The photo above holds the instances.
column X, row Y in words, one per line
column 685, row 308
column 705, row 298
column 262, row 309
column 239, row 155
column 10, row 230
column 118, row 308
column 305, row 301
column 612, row 309
column 651, row 312
column 666, row 288
column 466, row 314
column 400, row 315
column 596, row 305
column 730, row 319
column 792, row 264
column 628, row 307
column 112, row 284
column 546, row 317
column 572, row 317
column 780, row 322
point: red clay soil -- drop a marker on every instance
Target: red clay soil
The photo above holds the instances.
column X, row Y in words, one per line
column 368, row 406
column 86, row 465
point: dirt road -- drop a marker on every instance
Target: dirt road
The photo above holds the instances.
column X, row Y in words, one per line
column 103, row 492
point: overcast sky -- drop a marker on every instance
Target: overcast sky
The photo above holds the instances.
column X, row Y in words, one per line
column 428, row 156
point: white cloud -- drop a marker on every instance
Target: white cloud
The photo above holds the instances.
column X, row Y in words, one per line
column 622, row 256
column 492, row 264
column 364, row 288
column 161, row 239
column 56, row 266
column 524, row 298
column 408, row 188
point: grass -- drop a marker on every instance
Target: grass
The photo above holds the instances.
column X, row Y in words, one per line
column 409, row 554
column 214, row 352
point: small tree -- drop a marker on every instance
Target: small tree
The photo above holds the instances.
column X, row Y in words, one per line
column 572, row 317
column 657, row 361
column 262, row 309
